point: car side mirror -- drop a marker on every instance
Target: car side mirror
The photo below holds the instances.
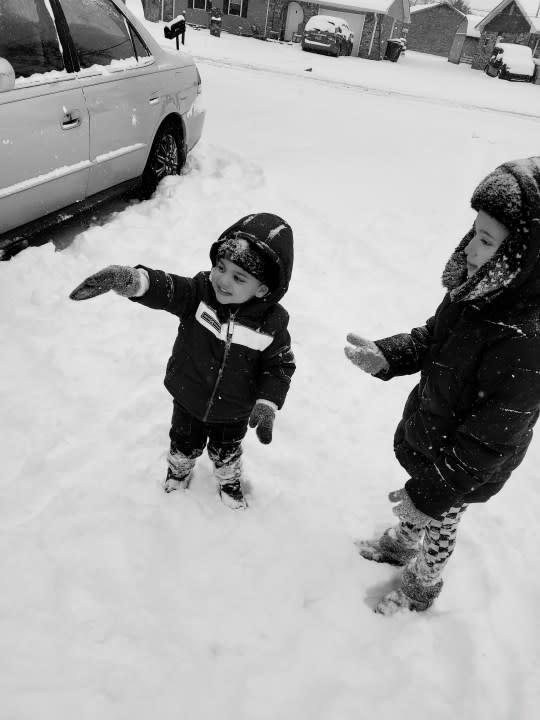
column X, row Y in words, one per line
column 7, row 75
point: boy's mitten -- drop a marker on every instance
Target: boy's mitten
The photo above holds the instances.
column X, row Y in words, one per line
column 365, row 354
column 262, row 417
column 406, row 510
column 124, row 280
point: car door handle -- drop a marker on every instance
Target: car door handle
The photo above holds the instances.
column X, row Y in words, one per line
column 154, row 99
column 71, row 119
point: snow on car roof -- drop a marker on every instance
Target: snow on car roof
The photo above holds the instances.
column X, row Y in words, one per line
column 516, row 50
column 323, row 22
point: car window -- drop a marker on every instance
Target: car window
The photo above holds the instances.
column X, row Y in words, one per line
column 100, row 32
column 140, row 48
column 28, row 37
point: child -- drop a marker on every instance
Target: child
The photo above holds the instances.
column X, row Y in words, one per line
column 232, row 360
column 468, row 423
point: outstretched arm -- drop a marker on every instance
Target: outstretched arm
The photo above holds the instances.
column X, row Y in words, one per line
column 122, row 279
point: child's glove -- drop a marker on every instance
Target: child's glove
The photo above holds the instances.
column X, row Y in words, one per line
column 406, row 510
column 365, row 354
column 262, row 417
column 126, row 281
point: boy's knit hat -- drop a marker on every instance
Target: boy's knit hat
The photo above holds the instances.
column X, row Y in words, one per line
column 499, row 195
column 239, row 250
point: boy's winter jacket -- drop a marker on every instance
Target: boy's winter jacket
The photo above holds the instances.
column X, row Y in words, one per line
column 226, row 357
column 468, row 423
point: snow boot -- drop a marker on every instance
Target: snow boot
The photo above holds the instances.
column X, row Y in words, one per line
column 179, row 472
column 228, row 477
column 386, row 549
column 410, row 596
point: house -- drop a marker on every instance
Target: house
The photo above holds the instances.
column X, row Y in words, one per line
column 466, row 40
column 433, row 28
column 373, row 22
column 516, row 21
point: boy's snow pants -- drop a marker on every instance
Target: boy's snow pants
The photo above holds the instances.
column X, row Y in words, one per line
column 189, row 436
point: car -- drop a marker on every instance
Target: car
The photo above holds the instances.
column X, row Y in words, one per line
column 328, row 34
column 509, row 61
column 90, row 105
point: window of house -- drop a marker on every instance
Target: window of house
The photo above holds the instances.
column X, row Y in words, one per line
column 200, row 4
column 28, row 37
column 99, row 31
column 235, row 7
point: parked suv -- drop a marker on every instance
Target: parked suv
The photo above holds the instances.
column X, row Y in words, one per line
column 89, row 103
column 328, row 34
column 511, row 62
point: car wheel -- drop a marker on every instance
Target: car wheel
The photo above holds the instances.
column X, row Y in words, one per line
column 166, row 157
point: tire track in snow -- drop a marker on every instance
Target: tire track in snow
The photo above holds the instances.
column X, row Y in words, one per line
column 364, row 88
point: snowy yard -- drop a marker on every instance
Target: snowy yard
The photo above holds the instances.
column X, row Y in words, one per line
column 122, row 603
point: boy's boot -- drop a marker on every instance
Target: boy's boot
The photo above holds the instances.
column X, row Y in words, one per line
column 412, row 595
column 178, row 472
column 229, row 477
column 387, row 549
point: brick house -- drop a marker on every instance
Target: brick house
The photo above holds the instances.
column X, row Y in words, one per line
column 465, row 45
column 433, row 28
column 513, row 21
column 373, row 22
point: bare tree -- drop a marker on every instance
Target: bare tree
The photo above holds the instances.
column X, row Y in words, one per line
column 462, row 6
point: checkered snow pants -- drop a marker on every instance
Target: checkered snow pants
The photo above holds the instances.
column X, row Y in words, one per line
column 433, row 551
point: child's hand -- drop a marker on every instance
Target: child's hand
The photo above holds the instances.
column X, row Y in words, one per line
column 262, row 417
column 123, row 280
column 365, row 354
column 406, row 510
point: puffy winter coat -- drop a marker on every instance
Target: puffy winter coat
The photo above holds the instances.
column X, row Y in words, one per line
column 468, row 423
column 226, row 357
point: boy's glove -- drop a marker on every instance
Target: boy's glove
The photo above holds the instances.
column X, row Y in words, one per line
column 406, row 510
column 122, row 279
column 365, row 354
column 262, row 417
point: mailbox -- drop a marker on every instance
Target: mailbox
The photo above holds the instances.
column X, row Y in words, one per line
column 175, row 29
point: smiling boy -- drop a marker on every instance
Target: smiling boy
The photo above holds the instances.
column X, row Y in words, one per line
column 232, row 361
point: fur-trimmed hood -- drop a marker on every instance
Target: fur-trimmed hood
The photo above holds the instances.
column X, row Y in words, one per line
column 514, row 271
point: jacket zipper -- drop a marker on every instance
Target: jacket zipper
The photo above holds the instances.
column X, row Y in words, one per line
column 228, row 343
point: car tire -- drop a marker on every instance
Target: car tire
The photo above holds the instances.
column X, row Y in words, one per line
column 167, row 157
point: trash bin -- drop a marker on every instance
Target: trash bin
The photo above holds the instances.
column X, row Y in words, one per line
column 215, row 25
column 393, row 50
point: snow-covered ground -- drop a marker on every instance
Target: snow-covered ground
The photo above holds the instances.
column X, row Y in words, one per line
column 119, row 602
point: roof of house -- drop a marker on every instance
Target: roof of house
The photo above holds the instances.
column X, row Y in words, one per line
column 376, row 6
column 529, row 9
column 472, row 22
column 428, row 6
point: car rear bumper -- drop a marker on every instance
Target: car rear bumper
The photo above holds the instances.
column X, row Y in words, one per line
column 316, row 45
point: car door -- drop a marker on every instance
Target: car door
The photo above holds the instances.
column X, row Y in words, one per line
column 44, row 138
column 120, row 83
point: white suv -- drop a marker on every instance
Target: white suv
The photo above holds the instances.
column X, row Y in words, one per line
column 89, row 103
column 328, row 34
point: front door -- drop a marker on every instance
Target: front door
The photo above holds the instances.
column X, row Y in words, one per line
column 295, row 16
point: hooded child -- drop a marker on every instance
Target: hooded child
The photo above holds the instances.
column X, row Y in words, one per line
column 467, row 424
column 232, row 362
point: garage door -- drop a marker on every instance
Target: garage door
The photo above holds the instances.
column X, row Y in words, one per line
column 355, row 20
